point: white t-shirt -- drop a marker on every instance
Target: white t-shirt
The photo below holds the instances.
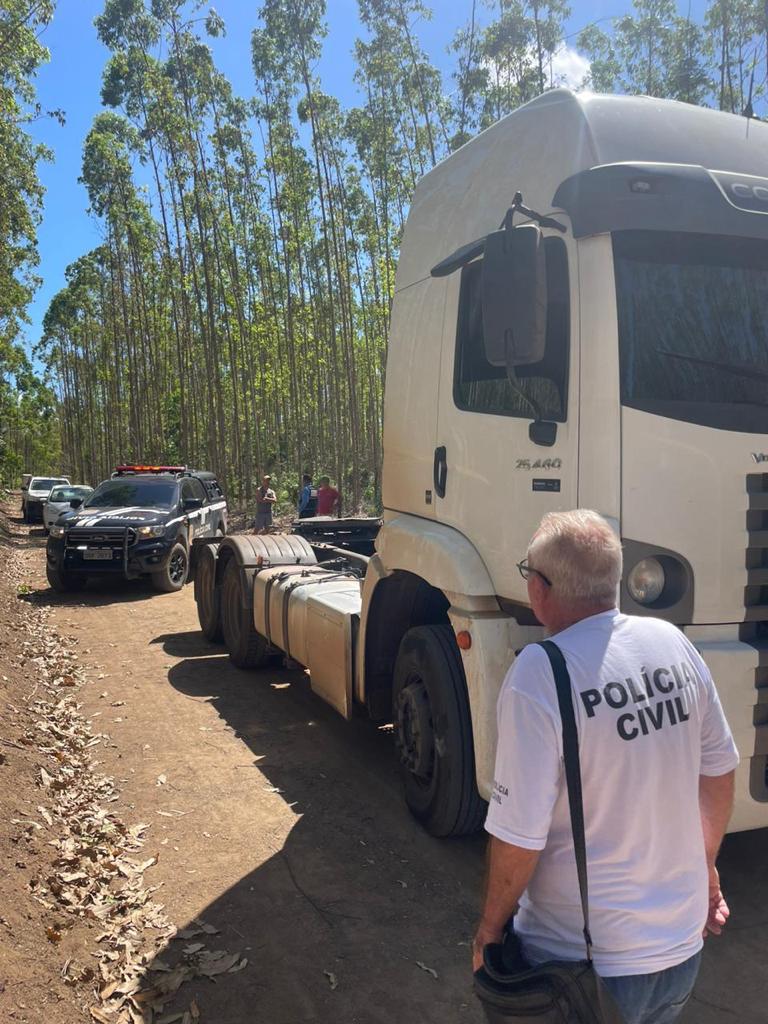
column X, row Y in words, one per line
column 649, row 722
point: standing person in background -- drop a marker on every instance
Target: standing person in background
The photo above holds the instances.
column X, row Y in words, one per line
column 327, row 498
column 307, row 498
column 265, row 502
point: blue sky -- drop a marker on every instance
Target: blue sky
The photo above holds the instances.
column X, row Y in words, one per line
column 71, row 81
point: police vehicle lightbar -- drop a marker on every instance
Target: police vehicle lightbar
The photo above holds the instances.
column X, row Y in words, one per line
column 149, row 469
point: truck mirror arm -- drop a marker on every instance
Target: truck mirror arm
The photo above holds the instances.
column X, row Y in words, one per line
column 466, row 253
column 538, row 218
column 463, row 255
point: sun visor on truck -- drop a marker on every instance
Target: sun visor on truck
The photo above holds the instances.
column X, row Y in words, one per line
column 664, row 197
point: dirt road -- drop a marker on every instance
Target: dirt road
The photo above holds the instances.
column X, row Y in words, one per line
column 283, row 827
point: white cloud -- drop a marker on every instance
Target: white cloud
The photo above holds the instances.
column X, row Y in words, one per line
column 569, row 68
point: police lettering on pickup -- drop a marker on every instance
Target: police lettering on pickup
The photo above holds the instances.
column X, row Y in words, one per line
column 141, row 522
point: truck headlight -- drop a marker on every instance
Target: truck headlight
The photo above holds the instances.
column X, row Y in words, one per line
column 645, row 581
column 151, row 531
column 56, row 531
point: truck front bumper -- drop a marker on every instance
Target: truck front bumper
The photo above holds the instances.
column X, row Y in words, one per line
column 125, row 561
column 740, row 670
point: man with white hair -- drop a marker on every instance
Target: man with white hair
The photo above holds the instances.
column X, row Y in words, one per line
column 657, row 768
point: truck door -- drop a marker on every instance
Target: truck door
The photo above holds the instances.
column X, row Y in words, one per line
column 199, row 519
column 411, row 397
column 506, row 449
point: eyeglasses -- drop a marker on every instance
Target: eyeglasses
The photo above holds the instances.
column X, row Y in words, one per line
column 525, row 571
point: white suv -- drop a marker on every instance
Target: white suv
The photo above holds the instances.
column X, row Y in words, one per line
column 37, row 494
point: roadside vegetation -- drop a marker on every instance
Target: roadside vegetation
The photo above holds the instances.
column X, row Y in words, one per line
column 235, row 316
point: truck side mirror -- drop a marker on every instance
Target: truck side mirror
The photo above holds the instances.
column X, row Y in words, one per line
column 514, row 296
column 76, row 503
column 191, row 504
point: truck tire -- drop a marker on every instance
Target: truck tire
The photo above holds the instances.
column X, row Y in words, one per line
column 63, row 582
column 247, row 648
column 433, row 733
column 208, row 595
column 173, row 575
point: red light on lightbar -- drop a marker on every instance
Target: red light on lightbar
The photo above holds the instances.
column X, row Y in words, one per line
column 150, row 469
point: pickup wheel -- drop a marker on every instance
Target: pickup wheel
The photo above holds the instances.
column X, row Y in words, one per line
column 433, row 733
column 208, row 595
column 247, row 648
column 63, row 582
column 173, row 575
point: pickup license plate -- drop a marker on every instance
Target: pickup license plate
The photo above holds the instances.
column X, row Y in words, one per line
column 97, row 554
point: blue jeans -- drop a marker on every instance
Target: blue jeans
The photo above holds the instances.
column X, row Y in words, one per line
column 646, row 998
column 655, row 998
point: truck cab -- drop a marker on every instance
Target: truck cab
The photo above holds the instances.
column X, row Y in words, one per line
column 647, row 400
column 579, row 320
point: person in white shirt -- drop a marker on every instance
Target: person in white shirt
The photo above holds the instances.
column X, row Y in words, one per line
column 657, row 766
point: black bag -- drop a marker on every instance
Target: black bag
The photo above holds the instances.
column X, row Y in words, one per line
column 556, row 992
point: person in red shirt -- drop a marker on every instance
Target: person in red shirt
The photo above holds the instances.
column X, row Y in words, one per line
column 327, row 498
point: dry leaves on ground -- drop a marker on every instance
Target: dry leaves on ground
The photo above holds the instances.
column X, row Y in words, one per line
column 96, row 873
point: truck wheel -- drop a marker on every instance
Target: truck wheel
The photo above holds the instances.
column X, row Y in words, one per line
column 247, row 648
column 63, row 582
column 433, row 733
column 208, row 596
column 173, row 575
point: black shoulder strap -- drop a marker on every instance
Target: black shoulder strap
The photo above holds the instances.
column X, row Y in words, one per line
column 572, row 774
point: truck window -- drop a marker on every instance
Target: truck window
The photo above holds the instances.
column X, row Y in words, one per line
column 192, row 488
column 693, row 333
column 539, row 390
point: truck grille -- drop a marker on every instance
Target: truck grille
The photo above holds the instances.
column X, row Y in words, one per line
column 755, row 630
column 756, row 590
column 101, row 536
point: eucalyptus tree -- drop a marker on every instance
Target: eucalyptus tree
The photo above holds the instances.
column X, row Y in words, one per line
column 738, row 39
column 652, row 50
column 21, row 195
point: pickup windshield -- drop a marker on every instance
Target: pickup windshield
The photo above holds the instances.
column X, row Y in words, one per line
column 68, row 493
column 42, row 483
column 693, row 327
column 133, row 494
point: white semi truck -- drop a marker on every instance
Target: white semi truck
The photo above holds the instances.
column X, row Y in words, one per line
column 609, row 351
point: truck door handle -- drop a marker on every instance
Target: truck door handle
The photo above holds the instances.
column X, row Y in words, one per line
column 440, row 471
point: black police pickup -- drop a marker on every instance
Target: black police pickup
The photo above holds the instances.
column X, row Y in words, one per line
column 141, row 522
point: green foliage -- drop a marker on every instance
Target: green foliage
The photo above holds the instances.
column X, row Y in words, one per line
column 28, row 429
column 235, row 316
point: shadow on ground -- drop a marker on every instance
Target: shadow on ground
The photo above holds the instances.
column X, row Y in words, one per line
column 96, row 593
column 357, row 889
column 360, row 892
column 35, row 538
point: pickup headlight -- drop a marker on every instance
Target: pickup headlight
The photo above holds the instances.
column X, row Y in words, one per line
column 151, row 531
column 56, row 531
column 645, row 581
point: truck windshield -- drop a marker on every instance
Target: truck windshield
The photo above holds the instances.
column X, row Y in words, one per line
column 132, row 494
column 693, row 327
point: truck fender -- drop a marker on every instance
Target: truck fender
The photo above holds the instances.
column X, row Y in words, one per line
column 251, row 552
column 439, row 555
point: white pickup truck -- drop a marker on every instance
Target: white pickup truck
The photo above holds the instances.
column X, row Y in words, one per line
column 609, row 351
column 35, row 494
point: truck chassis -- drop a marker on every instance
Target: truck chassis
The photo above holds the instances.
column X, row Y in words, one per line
column 268, row 597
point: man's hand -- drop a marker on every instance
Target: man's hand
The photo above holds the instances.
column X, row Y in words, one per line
column 719, row 912
column 483, row 936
